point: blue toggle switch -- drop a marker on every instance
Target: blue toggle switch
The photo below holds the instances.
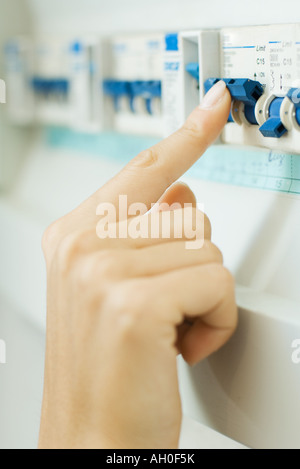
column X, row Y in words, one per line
column 50, row 87
column 241, row 89
column 298, row 115
column 209, row 83
column 154, row 90
column 294, row 97
column 148, row 90
column 117, row 89
column 193, row 69
column 250, row 114
column 273, row 127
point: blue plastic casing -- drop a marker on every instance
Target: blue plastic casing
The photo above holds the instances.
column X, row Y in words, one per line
column 116, row 89
column 193, row 69
column 273, row 127
column 241, row 89
column 171, row 42
column 148, row 90
column 48, row 87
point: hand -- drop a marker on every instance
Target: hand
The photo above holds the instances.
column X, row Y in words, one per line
column 120, row 310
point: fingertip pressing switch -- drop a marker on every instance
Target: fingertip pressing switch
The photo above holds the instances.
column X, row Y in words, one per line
column 245, row 93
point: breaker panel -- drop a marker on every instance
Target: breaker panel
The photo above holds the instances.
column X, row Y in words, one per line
column 148, row 84
column 261, row 67
column 90, row 84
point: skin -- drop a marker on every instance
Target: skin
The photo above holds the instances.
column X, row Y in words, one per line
column 120, row 311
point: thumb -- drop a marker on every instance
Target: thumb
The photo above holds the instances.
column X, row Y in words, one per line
column 179, row 194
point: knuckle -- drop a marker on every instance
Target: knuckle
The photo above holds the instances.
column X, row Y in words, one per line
column 194, row 130
column 51, row 237
column 146, row 159
column 129, row 301
column 191, row 130
column 226, row 279
column 207, row 227
column 137, row 298
column 226, row 288
column 214, row 251
column 84, row 274
column 68, row 247
column 223, row 280
column 109, row 263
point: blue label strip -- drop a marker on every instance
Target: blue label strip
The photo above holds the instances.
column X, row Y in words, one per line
column 239, row 166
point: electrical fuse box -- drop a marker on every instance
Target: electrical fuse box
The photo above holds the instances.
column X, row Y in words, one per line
column 269, row 55
column 133, row 88
column 261, row 68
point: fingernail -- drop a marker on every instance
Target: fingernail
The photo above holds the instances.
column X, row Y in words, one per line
column 214, row 96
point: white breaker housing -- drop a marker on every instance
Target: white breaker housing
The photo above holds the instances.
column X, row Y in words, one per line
column 269, row 55
column 132, row 89
column 56, row 81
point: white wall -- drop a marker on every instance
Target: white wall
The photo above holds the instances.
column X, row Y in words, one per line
column 113, row 15
column 15, row 20
column 21, row 380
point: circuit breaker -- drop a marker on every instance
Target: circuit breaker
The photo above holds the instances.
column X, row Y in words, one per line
column 56, row 81
column 261, row 68
column 133, row 89
column 148, row 84
column 189, row 59
column 269, row 55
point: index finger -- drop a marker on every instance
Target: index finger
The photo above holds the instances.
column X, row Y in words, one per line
column 148, row 175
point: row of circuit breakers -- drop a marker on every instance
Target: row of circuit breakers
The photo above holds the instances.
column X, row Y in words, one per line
column 148, row 84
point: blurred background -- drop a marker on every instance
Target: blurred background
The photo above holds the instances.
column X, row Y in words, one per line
column 61, row 139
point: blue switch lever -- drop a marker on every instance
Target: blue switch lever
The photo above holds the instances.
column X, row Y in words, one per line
column 273, row 127
column 116, row 89
column 193, row 69
column 148, row 90
column 241, row 89
column 50, row 86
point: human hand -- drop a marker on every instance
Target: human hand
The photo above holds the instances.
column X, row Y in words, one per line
column 120, row 310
